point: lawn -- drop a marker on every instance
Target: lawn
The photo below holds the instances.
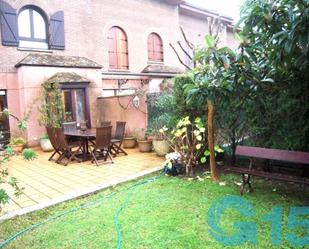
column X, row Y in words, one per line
column 166, row 213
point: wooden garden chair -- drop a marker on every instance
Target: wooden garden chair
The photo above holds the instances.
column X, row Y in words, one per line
column 118, row 139
column 51, row 132
column 102, row 146
column 67, row 150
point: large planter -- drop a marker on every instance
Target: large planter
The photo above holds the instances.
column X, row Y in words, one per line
column 46, row 145
column 161, row 147
column 17, row 148
column 129, row 142
column 145, row 145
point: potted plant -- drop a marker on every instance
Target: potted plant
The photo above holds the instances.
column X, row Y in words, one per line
column 160, row 145
column 45, row 143
column 129, row 142
column 144, row 143
column 17, row 144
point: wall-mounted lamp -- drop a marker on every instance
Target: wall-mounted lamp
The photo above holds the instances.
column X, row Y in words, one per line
column 136, row 101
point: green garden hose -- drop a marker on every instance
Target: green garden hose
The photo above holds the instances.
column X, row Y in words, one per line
column 83, row 206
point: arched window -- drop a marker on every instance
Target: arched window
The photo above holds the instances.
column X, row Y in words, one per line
column 155, row 48
column 118, row 49
column 32, row 28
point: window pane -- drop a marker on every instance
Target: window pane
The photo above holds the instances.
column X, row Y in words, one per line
column 80, row 105
column 24, row 24
column 33, row 44
column 67, row 102
column 39, row 26
column 118, row 49
column 155, row 48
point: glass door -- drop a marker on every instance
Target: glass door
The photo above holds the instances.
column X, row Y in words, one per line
column 74, row 101
column 4, row 121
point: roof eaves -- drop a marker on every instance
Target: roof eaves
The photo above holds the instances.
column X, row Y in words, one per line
column 204, row 12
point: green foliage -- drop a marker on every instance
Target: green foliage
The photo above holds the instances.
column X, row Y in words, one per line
column 261, row 90
column 44, row 136
column 278, row 39
column 17, row 141
column 4, row 178
column 9, row 151
column 207, row 153
column 4, row 198
column 278, row 33
column 228, row 80
column 21, row 122
column 181, row 89
column 29, row 154
column 52, row 106
column 188, row 139
column 161, row 112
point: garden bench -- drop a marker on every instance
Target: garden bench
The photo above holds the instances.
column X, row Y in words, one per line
column 295, row 157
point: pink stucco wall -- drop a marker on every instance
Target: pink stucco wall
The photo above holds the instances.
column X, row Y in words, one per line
column 109, row 109
column 24, row 92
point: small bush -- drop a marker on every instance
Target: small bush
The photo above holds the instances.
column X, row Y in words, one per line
column 29, row 154
column 17, row 141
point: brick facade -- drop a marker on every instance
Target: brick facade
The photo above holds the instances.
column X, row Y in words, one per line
column 86, row 24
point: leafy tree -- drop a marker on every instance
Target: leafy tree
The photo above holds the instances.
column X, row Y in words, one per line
column 278, row 36
column 225, row 81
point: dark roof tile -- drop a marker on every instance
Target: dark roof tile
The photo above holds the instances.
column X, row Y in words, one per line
column 67, row 77
column 162, row 69
column 57, row 61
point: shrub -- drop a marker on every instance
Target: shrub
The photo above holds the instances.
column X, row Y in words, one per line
column 182, row 107
column 29, row 154
column 161, row 112
column 188, row 139
column 17, row 141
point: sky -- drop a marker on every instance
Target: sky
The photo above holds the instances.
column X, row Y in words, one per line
column 224, row 7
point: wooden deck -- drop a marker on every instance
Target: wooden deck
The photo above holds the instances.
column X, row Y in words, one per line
column 47, row 183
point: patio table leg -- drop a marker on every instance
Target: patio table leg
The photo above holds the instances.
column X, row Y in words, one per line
column 85, row 149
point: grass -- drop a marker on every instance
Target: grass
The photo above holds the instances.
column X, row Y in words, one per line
column 167, row 213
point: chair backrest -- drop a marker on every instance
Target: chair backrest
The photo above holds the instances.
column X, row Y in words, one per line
column 106, row 123
column 120, row 130
column 103, row 137
column 61, row 139
column 69, row 126
column 52, row 137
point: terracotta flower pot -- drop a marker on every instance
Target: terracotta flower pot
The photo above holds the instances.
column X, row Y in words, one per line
column 17, row 148
column 145, row 145
column 129, row 142
column 161, row 147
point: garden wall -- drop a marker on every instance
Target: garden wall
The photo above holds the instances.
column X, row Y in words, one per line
column 120, row 108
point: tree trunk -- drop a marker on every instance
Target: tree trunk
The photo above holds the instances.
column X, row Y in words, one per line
column 211, row 142
column 233, row 147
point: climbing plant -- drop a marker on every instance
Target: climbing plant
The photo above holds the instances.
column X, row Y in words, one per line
column 51, row 108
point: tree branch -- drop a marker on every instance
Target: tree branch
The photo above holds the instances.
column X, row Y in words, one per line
column 180, row 60
column 182, row 48
column 190, row 45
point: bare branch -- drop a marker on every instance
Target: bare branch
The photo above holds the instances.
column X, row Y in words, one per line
column 180, row 60
column 190, row 44
column 186, row 53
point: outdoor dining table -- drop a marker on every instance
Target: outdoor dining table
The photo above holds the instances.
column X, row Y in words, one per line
column 84, row 136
